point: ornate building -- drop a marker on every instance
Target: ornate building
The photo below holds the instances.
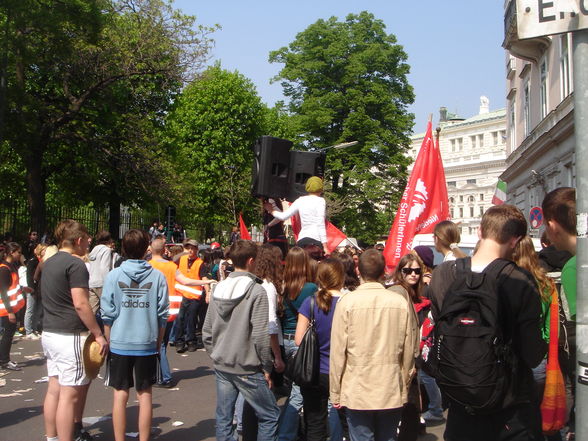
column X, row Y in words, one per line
column 474, row 155
column 540, row 114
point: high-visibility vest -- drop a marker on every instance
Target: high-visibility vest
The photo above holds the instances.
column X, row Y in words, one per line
column 175, row 298
column 14, row 293
column 190, row 292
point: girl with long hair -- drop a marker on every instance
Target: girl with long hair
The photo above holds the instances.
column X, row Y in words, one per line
column 351, row 278
column 447, row 238
column 12, row 300
column 330, row 278
column 296, row 288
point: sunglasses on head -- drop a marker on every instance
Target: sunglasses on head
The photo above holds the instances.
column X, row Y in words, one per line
column 407, row 271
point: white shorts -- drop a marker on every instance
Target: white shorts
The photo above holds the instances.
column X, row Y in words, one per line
column 64, row 357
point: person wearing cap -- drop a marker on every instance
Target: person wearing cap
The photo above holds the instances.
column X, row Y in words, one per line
column 311, row 209
column 189, row 265
column 426, row 255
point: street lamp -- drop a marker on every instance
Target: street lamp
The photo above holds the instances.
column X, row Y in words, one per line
column 339, row 146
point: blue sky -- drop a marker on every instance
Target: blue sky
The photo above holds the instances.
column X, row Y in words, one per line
column 454, row 47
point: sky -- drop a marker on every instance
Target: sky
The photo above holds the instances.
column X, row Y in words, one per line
column 453, row 46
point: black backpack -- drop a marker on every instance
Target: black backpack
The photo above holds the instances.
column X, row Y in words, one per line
column 470, row 359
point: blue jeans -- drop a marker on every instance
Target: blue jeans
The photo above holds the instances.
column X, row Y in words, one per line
column 32, row 318
column 256, row 392
column 373, row 425
column 289, row 419
column 433, row 392
column 166, row 375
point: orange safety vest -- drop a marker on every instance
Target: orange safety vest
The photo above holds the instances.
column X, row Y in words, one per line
column 175, row 298
column 190, row 292
column 15, row 297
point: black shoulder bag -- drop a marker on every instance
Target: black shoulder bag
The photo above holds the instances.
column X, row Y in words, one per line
column 303, row 367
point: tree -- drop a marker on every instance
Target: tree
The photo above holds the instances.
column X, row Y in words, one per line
column 213, row 127
column 347, row 82
column 62, row 56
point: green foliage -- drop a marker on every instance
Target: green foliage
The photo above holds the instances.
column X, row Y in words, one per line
column 346, row 81
column 88, row 83
column 212, row 129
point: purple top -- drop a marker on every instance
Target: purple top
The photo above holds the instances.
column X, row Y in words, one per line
column 323, row 323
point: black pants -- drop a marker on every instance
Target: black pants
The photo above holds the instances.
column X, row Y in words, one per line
column 6, row 341
column 517, row 423
column 186, row 331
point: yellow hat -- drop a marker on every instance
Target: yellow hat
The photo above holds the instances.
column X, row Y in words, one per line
column 314, row 185
column 92, row 357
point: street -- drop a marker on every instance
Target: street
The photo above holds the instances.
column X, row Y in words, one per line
column 183, row 413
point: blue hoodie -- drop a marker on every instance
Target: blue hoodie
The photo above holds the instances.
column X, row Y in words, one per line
column 135, row 305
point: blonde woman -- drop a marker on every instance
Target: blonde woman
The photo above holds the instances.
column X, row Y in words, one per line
column 447, row 238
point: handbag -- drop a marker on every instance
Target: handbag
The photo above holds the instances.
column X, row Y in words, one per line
column 303, row 366
column 553, row 405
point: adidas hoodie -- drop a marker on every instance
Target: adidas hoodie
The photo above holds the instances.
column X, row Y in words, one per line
column 235, row 332
column 135, row 305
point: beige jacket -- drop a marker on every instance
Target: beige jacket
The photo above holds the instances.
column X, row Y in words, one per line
column 374, row 341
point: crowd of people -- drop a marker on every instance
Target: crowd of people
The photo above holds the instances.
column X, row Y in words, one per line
column 249, row 306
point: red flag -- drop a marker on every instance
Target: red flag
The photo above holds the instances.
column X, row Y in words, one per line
column 424, row 202
column 243, row 228
column 334, row 237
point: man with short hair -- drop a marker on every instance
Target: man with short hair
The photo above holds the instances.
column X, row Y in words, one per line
column 67, row 322
column 134, row 307
column 502, row 227
column 173, row 276
column 374, row 342
column 189, row 265
column 235, row 335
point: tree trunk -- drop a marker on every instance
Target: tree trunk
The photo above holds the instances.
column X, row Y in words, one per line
column 114, row 216
column 36, row 186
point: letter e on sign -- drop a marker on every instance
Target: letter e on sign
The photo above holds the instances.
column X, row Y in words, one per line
column 539, row 18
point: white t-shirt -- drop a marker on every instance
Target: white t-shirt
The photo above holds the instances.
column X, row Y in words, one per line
column 273, row 321
column 311, row 209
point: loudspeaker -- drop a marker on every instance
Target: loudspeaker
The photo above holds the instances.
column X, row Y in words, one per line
column 303, row 165
column 270, row 167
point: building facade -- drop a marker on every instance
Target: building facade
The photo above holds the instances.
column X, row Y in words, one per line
column 540, row 115
column 474, row 155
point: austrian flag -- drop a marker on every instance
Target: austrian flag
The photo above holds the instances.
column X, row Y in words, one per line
column 424, row 202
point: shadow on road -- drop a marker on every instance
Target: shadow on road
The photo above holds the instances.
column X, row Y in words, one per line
column 189, row 374
column 204, row 429
column 17, row 416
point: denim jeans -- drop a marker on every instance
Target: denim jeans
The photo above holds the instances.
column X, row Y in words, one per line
column 166, row 376
column 289, row 419
column 257, row 393
column 32, row 318
column 433, row 392
column 373, row 425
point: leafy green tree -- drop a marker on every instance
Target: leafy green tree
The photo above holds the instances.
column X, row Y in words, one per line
column 62, row 60
column 346, row 81
column 213, row 127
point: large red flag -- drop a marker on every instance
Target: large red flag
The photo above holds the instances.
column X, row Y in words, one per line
column 243, row 228
column 424, row 202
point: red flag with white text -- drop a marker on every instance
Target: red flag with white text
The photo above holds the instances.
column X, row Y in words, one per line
column 334, row 235
column 424, row 202
column 243, row 228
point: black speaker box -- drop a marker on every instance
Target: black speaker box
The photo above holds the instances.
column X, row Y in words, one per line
column 270, row 167
column 303, row 165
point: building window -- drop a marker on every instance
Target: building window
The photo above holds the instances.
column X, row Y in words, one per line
column 461, row 212
column 451, row 213
column 480, row 141
column 481, row 211
column 502, row 138
column 473, row 141
column 494, row 138
column 564, row 66
column 481, row 196
column 543, row 88
column 471, row 181
column 461, row 198
column 513, row 125
column 458, row 144
column 453, row 145
column 527, row 107
column 471, row 211
column 451, row 184
column 452, row 200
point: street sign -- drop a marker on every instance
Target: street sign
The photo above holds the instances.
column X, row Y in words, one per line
column 538, row 18
column 536, row 217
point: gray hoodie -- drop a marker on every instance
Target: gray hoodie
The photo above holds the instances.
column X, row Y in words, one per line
column 100, row 259
column 235, row 332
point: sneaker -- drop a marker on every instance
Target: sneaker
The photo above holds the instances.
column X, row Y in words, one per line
column 33, row 337
column 192, row 347
column 84, row 436
column 180, row 348
column 164, row 385
column 430, row 418
column 11, row 366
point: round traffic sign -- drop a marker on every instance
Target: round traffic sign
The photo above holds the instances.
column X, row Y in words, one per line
column 536, row 217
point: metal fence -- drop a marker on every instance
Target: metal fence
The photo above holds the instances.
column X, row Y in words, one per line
column 16, row 220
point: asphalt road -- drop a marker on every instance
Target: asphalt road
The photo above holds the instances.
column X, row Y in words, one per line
column 183, row 413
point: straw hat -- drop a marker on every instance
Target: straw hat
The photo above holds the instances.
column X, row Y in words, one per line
column 92, row 357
